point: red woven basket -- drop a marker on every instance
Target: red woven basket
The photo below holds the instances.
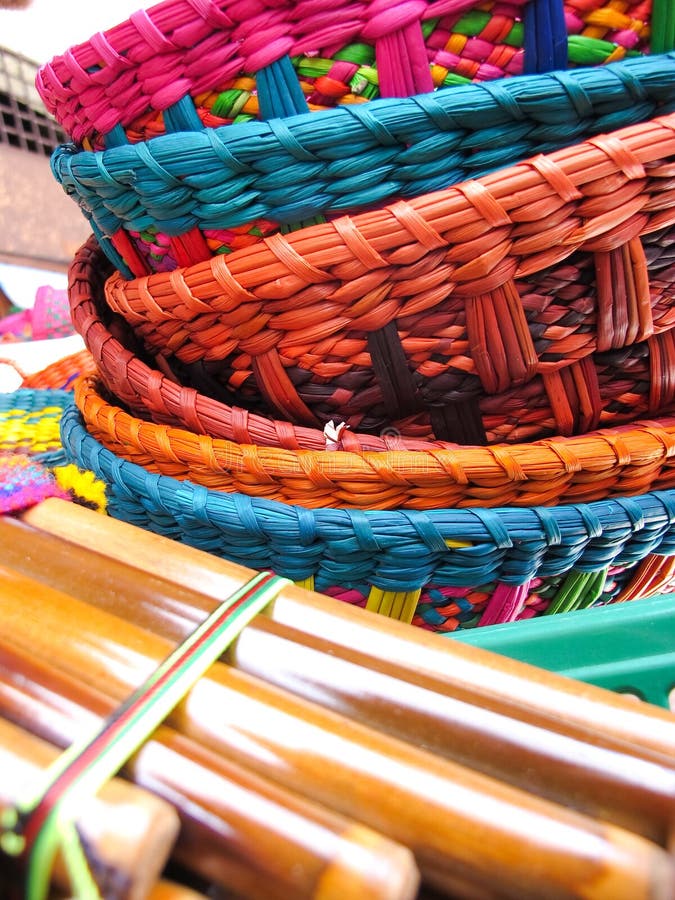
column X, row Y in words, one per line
column 633, row 381
column 373, row 319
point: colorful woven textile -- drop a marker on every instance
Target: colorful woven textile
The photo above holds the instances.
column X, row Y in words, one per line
column 33, row 465
column 48, row 317
column 25, row 482
column 30, row 422
column 29, row 444
column 449, row 568
column 175, row 200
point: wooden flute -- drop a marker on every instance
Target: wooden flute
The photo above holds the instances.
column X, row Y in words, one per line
column 471, row 835
column 128, row 833
column 467, row 673
column 238, row 830
column 607, row 784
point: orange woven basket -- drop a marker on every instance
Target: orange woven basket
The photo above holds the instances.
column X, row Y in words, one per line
column 385, row 310
column 619, row 462
column 61, row 374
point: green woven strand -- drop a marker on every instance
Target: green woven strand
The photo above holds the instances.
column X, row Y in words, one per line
column 662, row 26
column 578, row 591
column 122, row 735
column 359, row 54
column 76, row 863
column 229, row 103
column 312, row 66
column 594, row 588
column 586, row 51
column 474, row 22
column 452, row 78
column 366, row 83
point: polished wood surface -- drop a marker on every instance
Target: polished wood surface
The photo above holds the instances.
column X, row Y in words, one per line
column 238, row 830
column 614, row 785
column 128, row 860
column 459, row 823
column 467, row 673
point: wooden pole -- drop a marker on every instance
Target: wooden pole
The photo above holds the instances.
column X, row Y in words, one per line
column 171, row 890
column 460, row 825
column 238, row 830
column 616, row 786
column 128, row 833
column 467, row 673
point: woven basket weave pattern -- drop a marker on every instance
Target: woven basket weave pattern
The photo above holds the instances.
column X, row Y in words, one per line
column 190, row 195
column 361, row 220
column 180, row 50
column 623, row 461
column 625, row 383
column 356, row 553
column 223, row 62
column 374, row 278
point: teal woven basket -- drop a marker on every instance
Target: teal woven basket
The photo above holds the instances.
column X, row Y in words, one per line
column 188, row 195
column 444, row 569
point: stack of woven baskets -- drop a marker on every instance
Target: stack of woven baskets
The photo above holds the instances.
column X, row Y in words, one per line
column 380, row 294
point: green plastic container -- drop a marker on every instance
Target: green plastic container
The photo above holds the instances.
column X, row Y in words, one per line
column 625, row 647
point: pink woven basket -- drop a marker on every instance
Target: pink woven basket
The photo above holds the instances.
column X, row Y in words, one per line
column 183, row 64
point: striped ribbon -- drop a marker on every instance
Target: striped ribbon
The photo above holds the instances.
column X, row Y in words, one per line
column 37, row 829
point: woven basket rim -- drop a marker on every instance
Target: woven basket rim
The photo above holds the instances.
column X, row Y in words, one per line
column 205, row 171
column 445, row 532
column 170, row 27
column 108, row 351
column 345, row 477
column 400, row 116
column 149, row 392
column 163, row 30
column 493, row 199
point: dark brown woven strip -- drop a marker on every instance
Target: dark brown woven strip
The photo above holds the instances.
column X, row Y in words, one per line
column 459, row 421
column 393, row 375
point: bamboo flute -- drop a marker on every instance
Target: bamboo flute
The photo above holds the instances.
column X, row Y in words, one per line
column 460, row 824
column 606, row 784
column 467, row 673
column 128, row 833
column 238, row 831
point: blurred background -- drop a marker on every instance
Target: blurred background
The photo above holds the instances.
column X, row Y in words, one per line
column 40, row 227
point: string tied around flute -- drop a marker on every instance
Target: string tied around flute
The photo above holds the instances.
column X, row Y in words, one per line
column 34, row 831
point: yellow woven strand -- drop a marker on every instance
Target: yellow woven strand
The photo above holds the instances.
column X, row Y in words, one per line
column 412, row 598
column 399, row 605
column 307, row 583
